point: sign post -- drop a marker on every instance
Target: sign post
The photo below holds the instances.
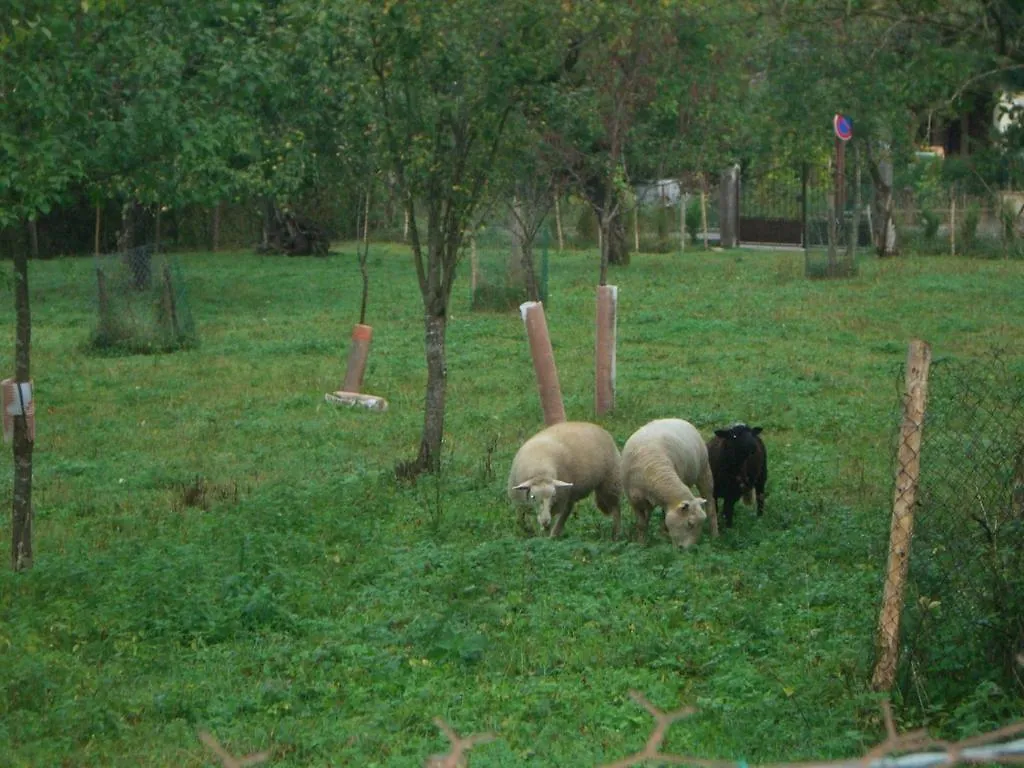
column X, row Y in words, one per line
column 844, row 132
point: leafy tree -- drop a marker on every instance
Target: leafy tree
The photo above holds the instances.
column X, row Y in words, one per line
column 615, row 48
column 40, row 64
column 887, row 72
column 525, row 181
column 648, row 92
column 446, row 77
column 698, row 120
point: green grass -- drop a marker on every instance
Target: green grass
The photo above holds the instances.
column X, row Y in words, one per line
column 317, row 609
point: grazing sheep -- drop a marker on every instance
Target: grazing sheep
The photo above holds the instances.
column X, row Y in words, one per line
column 739, row 462
column 660, row 462
column 562, row 464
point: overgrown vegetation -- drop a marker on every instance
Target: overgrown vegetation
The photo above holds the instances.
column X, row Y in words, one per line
column 227, row 551
column 966, row 607
column 141, row 305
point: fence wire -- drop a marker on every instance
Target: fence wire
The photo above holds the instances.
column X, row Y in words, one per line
column 141, row 302
column 962, row 626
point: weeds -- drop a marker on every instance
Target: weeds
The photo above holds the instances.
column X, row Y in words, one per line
column 330, row 611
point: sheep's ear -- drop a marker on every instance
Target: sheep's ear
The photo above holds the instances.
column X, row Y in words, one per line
column 699, row 500
column 756, row 430
column 723, row 433
column 524, row 486
column 561, row 484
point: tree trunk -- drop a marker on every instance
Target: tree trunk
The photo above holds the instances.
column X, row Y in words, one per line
column 215, row 228
column 558, row 222
column 602, row 245
column 683, row 198
column 429, row 458
column 885, row 236
column 618, row 244
column 704, row 208
column 363, row 256
column 515, row 266
column 636, row 227
column 268, row 222
column 21, row 517
column 520, row 271
column 96, row 241
column 853, row 236
column 33, row 238
column 881, row 172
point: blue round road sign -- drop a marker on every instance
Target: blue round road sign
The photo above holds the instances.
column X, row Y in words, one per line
column 843, row 128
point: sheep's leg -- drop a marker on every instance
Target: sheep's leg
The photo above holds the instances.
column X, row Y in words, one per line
column 556, row 529
column 608, row 503
column 706, row 486
column 730, row 505
column 760, row 499
column 642, row 510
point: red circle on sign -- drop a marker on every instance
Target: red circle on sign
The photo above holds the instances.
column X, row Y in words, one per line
column 842, row 127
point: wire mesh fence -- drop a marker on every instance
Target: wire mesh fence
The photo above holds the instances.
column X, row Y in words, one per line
column 142, row 303
column 493, row 257
column 948, row 220
column 497, row 271
column 962, row 628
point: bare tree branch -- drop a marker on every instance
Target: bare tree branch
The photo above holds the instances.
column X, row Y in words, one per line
column 226, row 758
column 460, row 745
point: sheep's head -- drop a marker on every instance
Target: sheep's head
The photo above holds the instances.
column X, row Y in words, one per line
column 685, row 522
column 739, row 443
column 540, row 492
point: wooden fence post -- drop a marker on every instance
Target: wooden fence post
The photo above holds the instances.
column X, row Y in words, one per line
column 728, row 213
column 604, row 352
column 558, row 222
column 474, row 270
column 904, row 497
column 543, row 362
column 359, row 351
column 170, row 304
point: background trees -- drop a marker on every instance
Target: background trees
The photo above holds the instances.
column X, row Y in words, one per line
column 446, row 79
column 298, row 107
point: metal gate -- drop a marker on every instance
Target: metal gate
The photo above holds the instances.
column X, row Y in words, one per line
column 773, row 205
column 793, row 205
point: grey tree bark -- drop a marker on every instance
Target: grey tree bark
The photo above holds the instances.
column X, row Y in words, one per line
column 21, row 513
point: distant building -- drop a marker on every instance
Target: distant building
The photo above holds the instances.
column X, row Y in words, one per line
column 1008, row 110
column 661, row 192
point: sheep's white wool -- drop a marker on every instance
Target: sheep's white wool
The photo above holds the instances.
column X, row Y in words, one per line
column 660, row 462
column 565, row 463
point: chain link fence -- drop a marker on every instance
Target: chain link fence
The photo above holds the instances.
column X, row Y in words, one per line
column 962, row 620
column 141, row 303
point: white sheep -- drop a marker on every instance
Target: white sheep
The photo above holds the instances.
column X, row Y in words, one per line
column 562, row 464
column 660, row 462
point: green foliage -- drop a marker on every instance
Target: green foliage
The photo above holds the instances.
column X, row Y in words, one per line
column 968, row 231
column 586, row 227
column 40, row 131
column 497, row 297
column 929, row 226
column 693, row 218
column 142, row 305
column 966, row 607
column 315, row 607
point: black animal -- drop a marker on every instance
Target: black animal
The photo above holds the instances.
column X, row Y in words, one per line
column 739, row 463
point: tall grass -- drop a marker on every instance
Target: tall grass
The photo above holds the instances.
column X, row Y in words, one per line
column 219, row 548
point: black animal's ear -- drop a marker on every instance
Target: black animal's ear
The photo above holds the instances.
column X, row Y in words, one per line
column 756, row 430
column 723, row 433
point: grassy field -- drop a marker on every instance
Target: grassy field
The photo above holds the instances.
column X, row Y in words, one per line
column 217, row 548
